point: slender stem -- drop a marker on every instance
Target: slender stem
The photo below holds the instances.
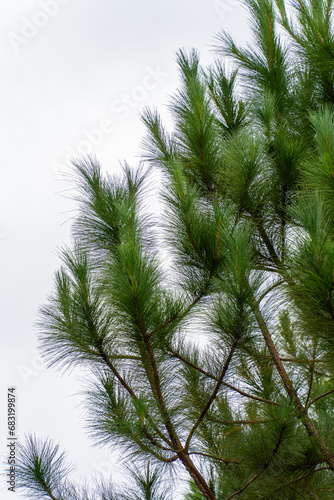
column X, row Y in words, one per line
column 210, row 375
column 48, row 490
column 318, row 397
column 189, row 363
column 50, row 495
column 303, row 476
column 311, row 378
column 126, row 386
column 106, row 359
column 172, row 459
column 178, row 316
column 101, row 352
column 154, row 441
column 296, row 360
column 236, row 422
column 196, row 475
column 262, row 296
column 309, row 19
column 158, row 393
column 182, row 454
column 251, row 396
column 214, row 393
column 214, row 457
column 265, row 238
column 168, row 322
column 125, row 356
column 273, row 453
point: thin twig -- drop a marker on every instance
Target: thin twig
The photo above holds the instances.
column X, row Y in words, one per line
column 226, row 384
column 214, row 457
column 273, row 453
column 214, row 393
column 280, row 282
column 236, row 422
column 318, row 397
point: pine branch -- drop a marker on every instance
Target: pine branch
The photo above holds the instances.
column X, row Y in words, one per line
column 127, row 387
column 236, row 422
column 301, row 412
column 303, row 476
column 272, row 455
column 232, row 387
column 180, row 315
column 303, row 9
column 250, row 396
column 319, row 397
column 269, row 289
column 298, row 360
column 266, row 240
column 249, row 186
column 312, row 367
column 214, row 457
column 189, row 363
column 214, row 393
column 166, row 323
column 49, row 492
column 182, row 453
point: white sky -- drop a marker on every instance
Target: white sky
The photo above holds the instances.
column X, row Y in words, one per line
column 65, row 74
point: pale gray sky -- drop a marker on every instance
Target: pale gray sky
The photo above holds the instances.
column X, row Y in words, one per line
column 74, row 76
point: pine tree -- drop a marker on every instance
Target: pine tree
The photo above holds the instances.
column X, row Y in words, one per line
column 248, row 222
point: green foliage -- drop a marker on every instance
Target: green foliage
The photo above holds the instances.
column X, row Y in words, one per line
column 194, row 493
column 220, row 367
column 148, row 485
column 43, row 472
column 231, row 112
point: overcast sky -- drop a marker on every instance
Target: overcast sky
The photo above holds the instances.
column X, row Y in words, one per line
column 74, row 76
